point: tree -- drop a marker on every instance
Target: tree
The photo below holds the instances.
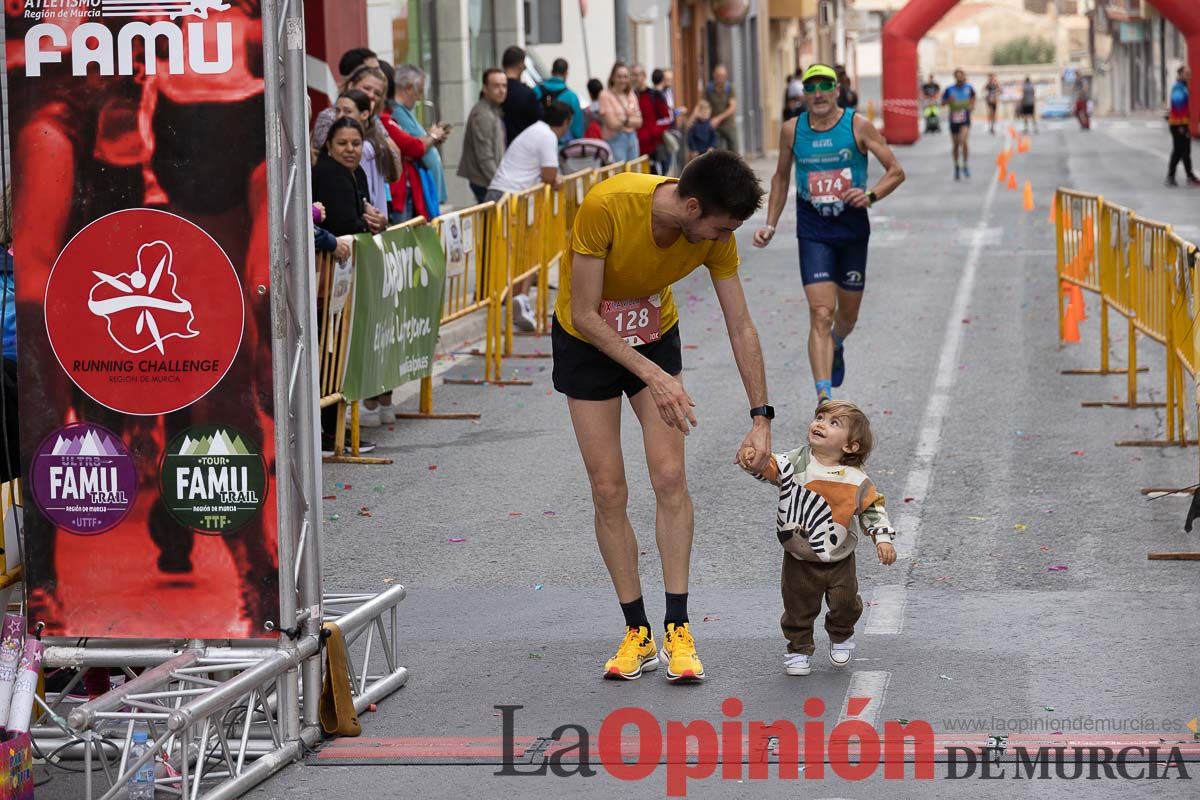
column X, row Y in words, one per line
column 1024, row 50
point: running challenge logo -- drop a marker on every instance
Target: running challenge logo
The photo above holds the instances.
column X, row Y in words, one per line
column 632, row 744
column 144, row 300
column 158, row 24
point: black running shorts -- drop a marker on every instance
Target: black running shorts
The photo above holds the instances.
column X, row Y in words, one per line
column 581, row 371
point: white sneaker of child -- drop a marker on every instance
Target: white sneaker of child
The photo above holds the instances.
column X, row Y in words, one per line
column 796, row 664
column 840, row 652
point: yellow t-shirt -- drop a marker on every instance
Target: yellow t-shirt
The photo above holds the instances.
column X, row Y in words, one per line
column 614, row 224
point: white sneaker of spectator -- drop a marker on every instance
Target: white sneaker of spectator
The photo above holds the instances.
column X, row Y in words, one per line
column 387, row 412
column 368, row 417
column 523, row 313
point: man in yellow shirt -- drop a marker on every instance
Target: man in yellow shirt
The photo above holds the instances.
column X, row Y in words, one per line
column 616, row 332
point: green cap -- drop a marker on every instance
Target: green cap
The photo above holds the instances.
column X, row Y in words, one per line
column 818, row 71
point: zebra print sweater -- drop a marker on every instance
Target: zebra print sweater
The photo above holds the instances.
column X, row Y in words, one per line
column 824, row 510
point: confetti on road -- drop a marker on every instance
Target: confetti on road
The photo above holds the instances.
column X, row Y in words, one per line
column 945, row 677
column 1076, row 452
column 977, row 519
column 333, row 517
column 1020, row 526
column 1048, row 708
column 1056, row 568
column 364, row 512
column 538, row 587
column 549, row 513
column 909, row 499
column 432, row 467
column 330, row 497
column 456, row 540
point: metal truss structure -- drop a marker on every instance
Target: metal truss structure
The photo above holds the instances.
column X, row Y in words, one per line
column 224, row 716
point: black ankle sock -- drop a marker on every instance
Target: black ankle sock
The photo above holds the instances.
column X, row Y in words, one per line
column 635, row 614
column 676, row 608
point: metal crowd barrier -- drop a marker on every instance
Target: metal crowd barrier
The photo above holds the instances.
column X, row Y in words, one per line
column 523, row 235
column 1143, row 271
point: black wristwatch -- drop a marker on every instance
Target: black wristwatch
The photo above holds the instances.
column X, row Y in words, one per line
column 763, row 411
column 874, row 198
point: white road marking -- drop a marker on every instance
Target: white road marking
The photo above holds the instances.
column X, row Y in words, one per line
column 887, row 615
column 916, row 487
column 870, row 684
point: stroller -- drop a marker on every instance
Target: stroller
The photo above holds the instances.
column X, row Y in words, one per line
column 580, row 154
column 933, row 122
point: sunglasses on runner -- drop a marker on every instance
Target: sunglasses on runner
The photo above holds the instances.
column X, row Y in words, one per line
column 819, row 86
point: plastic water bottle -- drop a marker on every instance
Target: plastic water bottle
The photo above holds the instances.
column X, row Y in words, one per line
column 141, row 785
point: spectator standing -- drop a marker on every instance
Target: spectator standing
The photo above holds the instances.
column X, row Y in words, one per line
column 354, row 58
column 483, row 140
column 381, row 157
column 621, row 114
column 656, row 116
column 702, row 137
column 532, row 158
column 664, row 81
column 719, row 94
column 846, row 96
column 593, row 123
column 521, row 105
column 339, row 185
column 410, row 89
column 554, row 89
column 793, row 100
column 1179, row 121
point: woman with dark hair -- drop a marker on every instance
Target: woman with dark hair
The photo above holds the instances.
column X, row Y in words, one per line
column 340, row 184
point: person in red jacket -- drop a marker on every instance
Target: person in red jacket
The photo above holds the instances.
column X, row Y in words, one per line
column 408, row 198
column 656, row 114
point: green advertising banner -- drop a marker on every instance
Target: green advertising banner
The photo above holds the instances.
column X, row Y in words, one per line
column 398, row 283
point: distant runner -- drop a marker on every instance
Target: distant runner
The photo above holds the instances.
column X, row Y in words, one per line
column 828, row 147
column 960, row 99
column 992, row 96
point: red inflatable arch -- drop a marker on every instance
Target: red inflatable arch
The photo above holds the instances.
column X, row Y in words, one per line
column 906, row 27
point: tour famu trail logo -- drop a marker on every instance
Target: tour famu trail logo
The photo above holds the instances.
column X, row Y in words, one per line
column 143, row 312
column 218, row 445
column 214, row 479
column 83, row 478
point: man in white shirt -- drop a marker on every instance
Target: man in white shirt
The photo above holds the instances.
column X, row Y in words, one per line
column 532, row 158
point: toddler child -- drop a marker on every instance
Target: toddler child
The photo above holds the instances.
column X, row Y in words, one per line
column 826, row 502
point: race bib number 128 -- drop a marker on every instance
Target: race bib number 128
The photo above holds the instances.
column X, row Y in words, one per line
column 637, row 321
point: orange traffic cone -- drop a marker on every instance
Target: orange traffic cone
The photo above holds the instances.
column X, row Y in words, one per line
column 1077, row 301
column 1012, row 181
column 1028, row 200
column 1072, row 316
column 1024, row 144
column 1002, row 173
column 1012, row 132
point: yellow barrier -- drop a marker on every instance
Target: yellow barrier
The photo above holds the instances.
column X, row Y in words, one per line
column 1144, row 272
column 10, row 501
column 640, row 164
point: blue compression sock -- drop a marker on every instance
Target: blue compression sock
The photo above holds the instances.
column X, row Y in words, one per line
column 824, row 388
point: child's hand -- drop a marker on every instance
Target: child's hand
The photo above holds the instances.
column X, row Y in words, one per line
column 745, row 458
column 887, row 553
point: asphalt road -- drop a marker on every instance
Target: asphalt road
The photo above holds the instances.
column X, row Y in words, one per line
column 993, row 472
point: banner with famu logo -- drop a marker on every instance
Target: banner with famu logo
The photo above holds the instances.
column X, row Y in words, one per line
column 399, row 276
column 143, row 317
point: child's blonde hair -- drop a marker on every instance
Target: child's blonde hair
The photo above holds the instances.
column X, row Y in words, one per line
column 705, row 106
column 858, row 429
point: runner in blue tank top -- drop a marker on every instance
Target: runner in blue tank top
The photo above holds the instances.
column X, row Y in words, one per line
column 961, row 100
column 827, row 147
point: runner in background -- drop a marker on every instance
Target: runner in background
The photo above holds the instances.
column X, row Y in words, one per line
column 1028, row 105
column 992, row 96
column 829, row 147
column 960, row 99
